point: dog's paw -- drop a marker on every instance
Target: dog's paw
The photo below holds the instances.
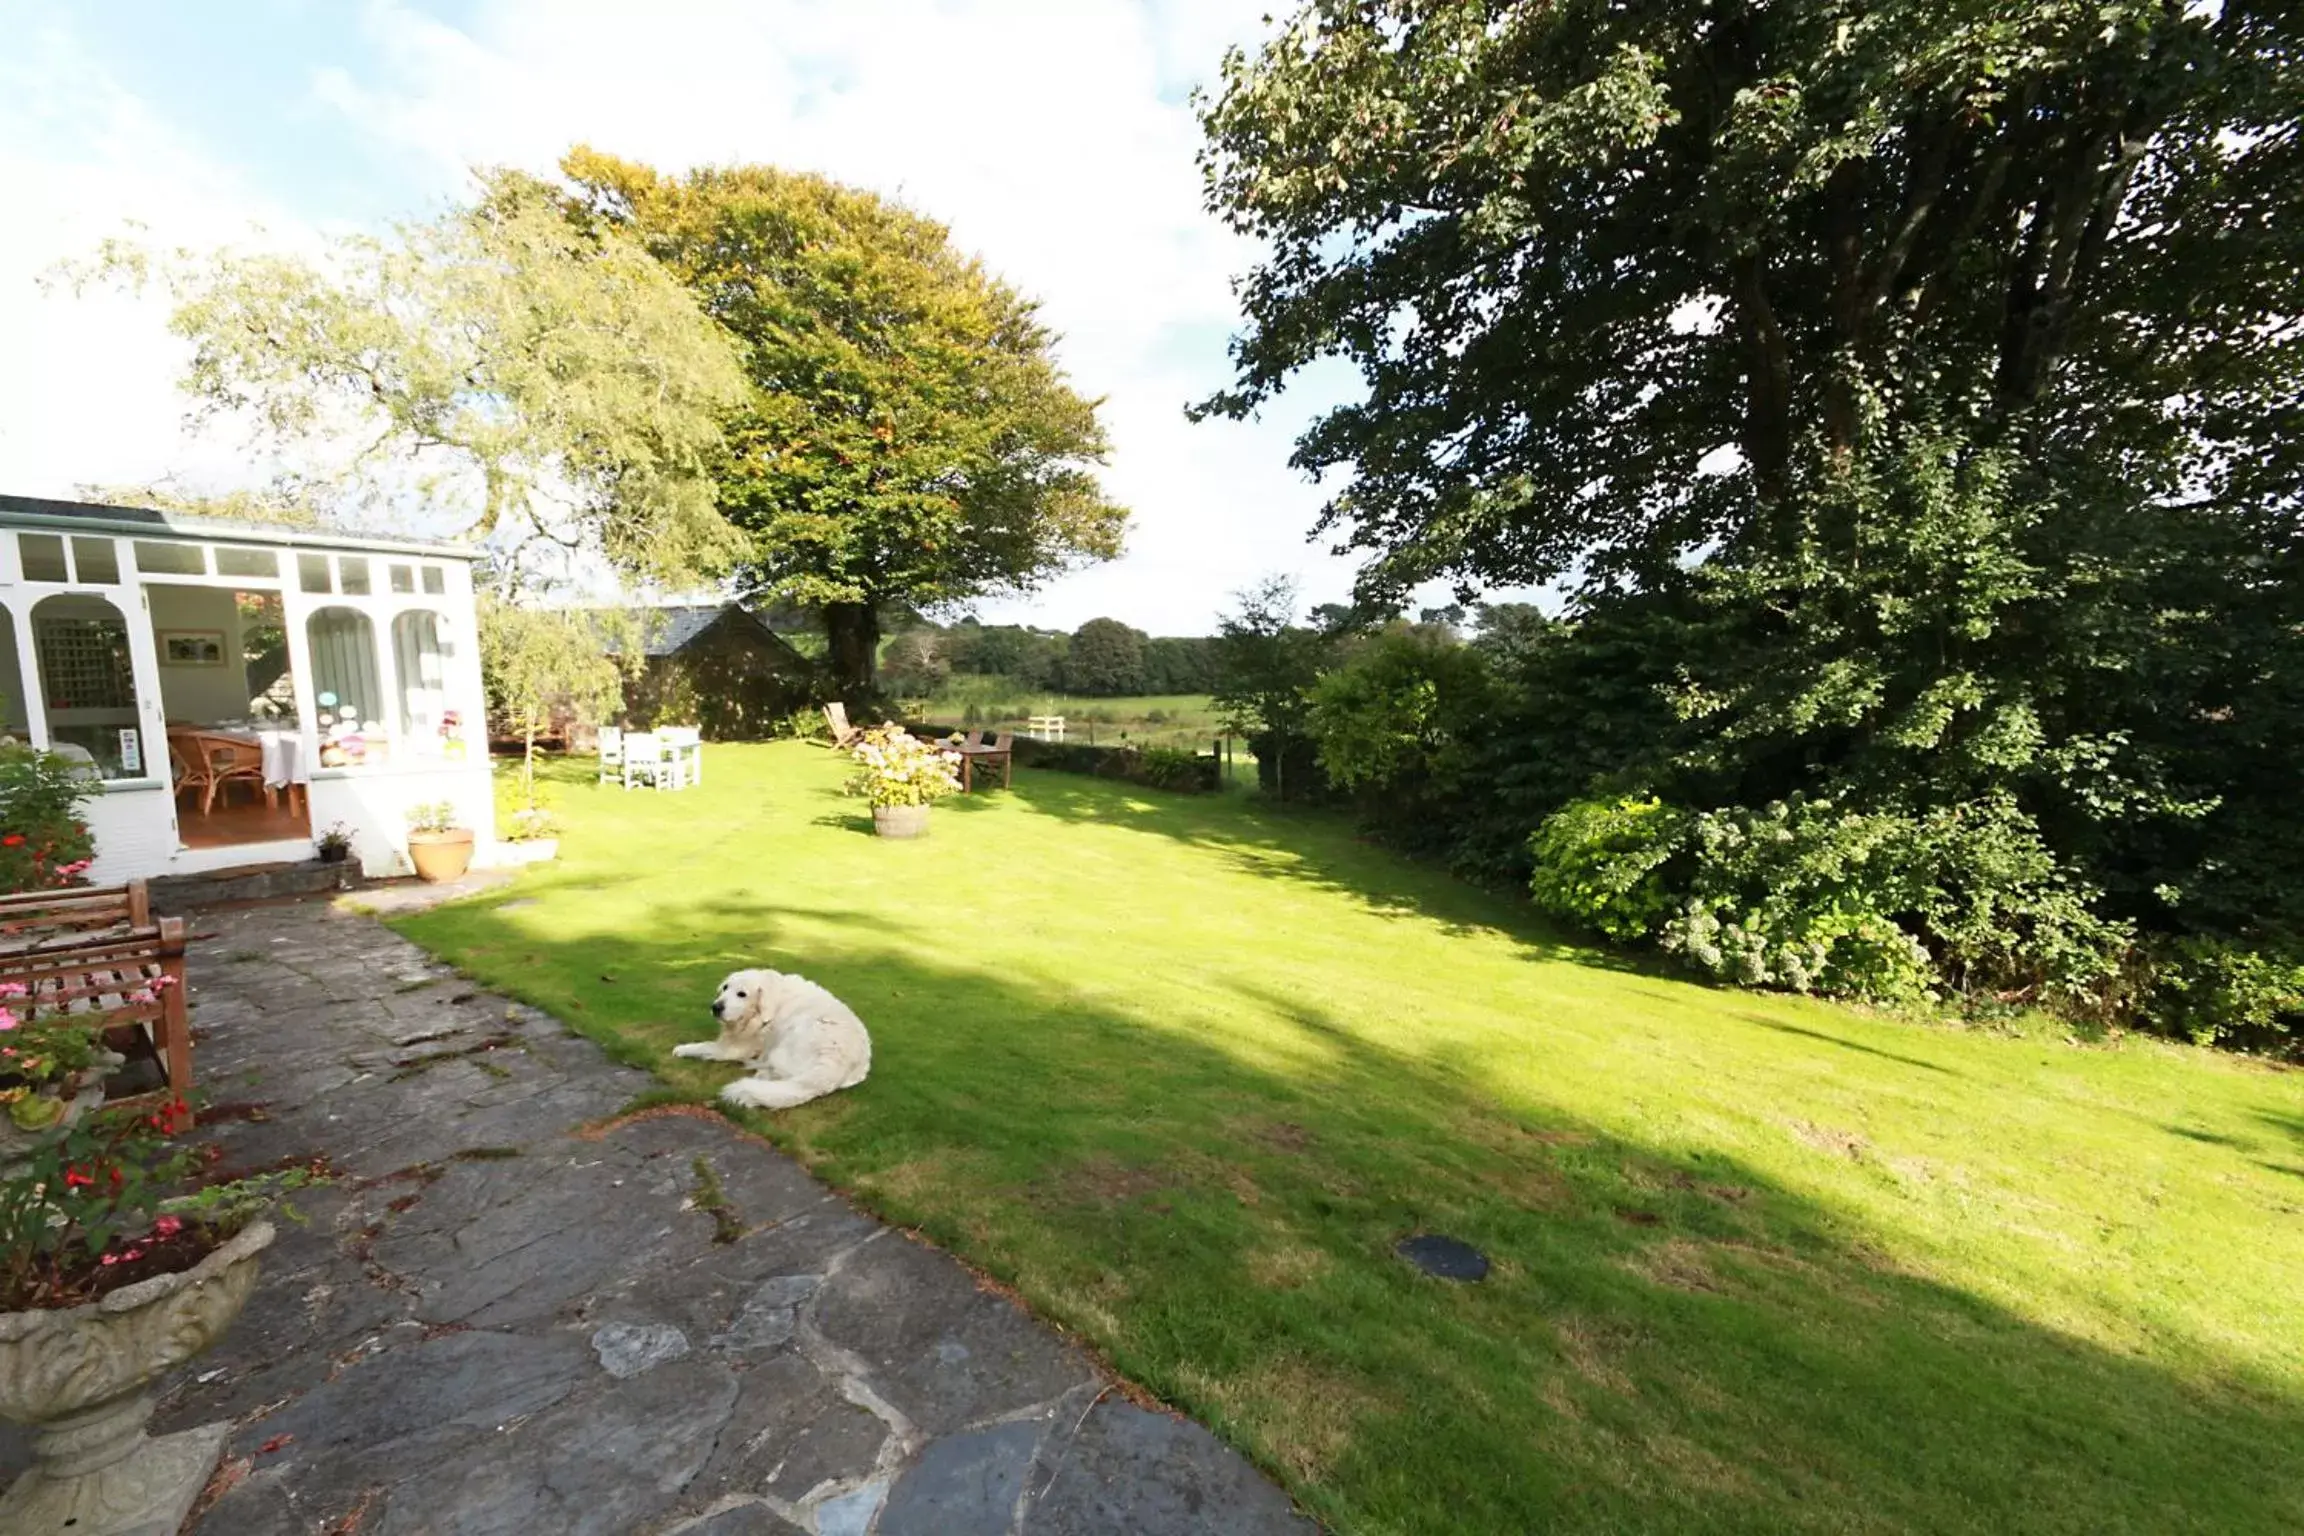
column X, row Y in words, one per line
column 700, row 1050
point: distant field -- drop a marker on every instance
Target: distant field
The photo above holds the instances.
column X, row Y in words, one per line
column 1171, row 719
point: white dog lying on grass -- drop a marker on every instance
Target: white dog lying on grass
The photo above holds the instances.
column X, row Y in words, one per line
column 800, row 1041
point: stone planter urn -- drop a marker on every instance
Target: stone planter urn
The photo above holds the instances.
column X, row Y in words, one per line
column 79, row 1377
column 900, row 820
column 440, row 856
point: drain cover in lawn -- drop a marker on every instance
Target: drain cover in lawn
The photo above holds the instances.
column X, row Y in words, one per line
column 1443, row 1256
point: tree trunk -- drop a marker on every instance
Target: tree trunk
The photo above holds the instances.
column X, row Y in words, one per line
column 852, row 648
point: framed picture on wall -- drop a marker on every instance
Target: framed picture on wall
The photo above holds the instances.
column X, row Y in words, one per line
column 192, row 647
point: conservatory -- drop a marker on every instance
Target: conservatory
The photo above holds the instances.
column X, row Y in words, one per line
column 235, row 691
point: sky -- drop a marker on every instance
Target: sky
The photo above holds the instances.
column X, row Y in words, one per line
column 1056, row 138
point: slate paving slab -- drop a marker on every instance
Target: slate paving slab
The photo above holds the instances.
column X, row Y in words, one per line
column 507, row 1314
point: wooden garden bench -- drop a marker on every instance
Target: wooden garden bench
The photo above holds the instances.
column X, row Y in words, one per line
column 46, row 917
column 131, row 983
column 98, row 950
column 1000, row 752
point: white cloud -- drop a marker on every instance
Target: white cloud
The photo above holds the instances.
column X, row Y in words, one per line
column 87, row 384
column 1053, row 138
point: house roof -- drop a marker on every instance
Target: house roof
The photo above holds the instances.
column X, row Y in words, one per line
column 677, row 626
column 674, row 627
column 98, row 517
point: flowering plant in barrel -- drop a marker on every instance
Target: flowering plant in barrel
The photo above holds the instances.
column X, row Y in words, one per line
column 896, row 768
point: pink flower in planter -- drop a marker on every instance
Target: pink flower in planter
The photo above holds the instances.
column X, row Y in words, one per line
column 13, row 989
column 8, row 1020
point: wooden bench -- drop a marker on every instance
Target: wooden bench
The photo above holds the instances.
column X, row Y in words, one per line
column 44, row 917
column 97, row 950
column 1000, row 750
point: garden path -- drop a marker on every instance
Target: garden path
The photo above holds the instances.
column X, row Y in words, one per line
column 510, row 1312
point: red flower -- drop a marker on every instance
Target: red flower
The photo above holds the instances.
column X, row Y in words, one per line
column 78, row 1178
column 12, row 840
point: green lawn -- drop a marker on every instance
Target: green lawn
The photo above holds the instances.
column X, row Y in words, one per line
column 1183, row 1070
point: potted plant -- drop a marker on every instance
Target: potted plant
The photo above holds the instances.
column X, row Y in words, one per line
column 105, row 1286
column 440, row 849
column 336, row 844
column 531, row 834
column 902, row 776
column 52, row 1071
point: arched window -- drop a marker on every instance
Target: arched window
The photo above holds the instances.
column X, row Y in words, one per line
column 420, row 652
column 15, row 720
column 81, row 643
column 347, row 698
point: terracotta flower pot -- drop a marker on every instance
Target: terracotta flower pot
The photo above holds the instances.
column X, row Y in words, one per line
column 79, row 1376
column 900, row 820
column 441, row 856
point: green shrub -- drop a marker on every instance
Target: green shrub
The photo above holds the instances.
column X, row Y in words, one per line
column 799, row 725
column 1816, row 895
column 43, row 842
column 2218, row 991
column 1169, row 767
column 1600, row 864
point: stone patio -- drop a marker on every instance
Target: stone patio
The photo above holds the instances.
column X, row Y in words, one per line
column 501, row 1317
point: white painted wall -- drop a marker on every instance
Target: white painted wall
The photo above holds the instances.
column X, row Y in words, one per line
column 200, row 695
column 135, row 832
column 374, row 803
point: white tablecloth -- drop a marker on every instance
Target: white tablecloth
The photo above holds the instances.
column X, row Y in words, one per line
column 283, row 755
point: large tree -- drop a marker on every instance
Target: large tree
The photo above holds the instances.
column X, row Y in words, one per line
column 1913, row 389
column 515, row 376
column 910, row 439
column 1578, row 250
column 1105, row 659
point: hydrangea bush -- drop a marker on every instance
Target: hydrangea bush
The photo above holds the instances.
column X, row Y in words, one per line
column 894, row 767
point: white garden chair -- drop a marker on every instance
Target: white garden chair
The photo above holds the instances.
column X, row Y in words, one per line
column 648, row 760
column 687, row 744
column 611, row 752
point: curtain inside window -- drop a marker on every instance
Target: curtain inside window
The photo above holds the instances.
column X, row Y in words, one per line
column 344, row 665
column 421, row 661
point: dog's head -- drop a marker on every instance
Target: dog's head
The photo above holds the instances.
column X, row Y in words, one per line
column 743, row 996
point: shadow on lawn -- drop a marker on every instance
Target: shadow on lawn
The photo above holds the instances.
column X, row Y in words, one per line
column 1316, row 847
column 1822, row 1038
column 1668, row 1342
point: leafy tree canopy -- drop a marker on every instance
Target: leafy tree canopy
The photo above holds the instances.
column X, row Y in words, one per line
column 539, row 380
column 1106, row 658
column 1576, row 251
column 908, row 437
column 542, row 665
